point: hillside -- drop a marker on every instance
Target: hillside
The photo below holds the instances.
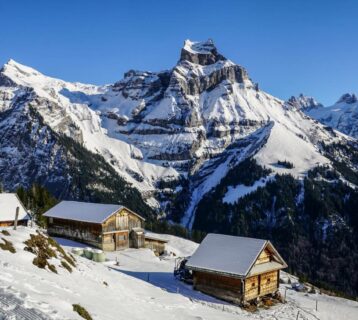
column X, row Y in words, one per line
column 41, row 294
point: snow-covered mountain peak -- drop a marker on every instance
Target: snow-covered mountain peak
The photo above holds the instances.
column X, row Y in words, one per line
column 343, row 115
column 348, row 98
column 202, row 53
column 19, row 72
column 203, row 47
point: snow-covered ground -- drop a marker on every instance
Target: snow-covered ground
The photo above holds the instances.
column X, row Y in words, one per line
column 141, row 287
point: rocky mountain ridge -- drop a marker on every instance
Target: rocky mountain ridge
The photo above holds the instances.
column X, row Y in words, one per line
column 161, row 131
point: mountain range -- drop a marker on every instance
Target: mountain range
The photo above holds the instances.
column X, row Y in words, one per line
column 200, row 144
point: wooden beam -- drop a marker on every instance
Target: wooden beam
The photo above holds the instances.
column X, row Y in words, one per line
column 16, row 217
column 243, row 290
column 259, row 280
column 278, row 279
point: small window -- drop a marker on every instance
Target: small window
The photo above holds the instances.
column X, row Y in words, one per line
column 50, row 220
column 268, row 280
column 253, row 284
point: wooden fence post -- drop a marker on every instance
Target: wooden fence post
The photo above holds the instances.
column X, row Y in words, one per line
column 316, row 305
column 16, row 217
column 297, row 315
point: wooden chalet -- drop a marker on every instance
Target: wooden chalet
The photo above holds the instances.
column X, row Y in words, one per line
column 155, row 243
column 236, row 269
column 9, row 205
column 109, row 227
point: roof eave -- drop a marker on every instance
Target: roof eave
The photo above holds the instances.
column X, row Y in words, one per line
column 268, row 242
column 121, row 208
column 271, row 270
column 228, row 274
column 62, row 218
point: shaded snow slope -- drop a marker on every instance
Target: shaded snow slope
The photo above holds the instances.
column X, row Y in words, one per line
column 141, row 287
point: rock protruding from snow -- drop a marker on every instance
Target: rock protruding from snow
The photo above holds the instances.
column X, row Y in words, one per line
column 303, row 102
column 348, row 98
column 203, row 53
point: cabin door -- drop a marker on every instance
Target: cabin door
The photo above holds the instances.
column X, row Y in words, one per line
column 121, row 240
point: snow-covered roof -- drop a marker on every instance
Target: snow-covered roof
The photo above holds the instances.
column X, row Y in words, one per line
column 8, row 204
column 85, row 211
column 228, row 254
column 154, row 237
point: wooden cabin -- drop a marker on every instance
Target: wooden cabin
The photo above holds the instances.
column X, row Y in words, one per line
column 155, row 243
column 236, row 269
column 9, row 204
column 109, row 227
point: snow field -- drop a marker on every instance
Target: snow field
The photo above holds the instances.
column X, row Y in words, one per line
column 141, row 287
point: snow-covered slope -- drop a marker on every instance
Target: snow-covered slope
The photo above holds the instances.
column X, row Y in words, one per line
column 65, row 107
column 141, row 287
column 191, row 123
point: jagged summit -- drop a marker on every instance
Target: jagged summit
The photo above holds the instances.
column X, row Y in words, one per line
column 304, row 102
column 343, row 115
column 203, row 53
column 348, row 98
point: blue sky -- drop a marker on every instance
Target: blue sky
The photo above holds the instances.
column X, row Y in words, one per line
column 288, row 47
